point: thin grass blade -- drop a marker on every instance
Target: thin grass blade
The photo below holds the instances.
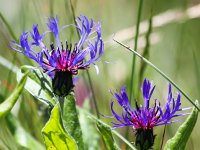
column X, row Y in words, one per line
column 160, row 72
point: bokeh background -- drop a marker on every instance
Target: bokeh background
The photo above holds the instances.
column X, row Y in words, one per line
column 174, row 48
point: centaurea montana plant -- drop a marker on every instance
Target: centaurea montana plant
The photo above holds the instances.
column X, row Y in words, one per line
column 62, row 63
column 144, row 118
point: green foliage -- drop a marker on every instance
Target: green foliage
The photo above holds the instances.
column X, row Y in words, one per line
column 108, row 131
column 38, row 84
column 8, row 26
column 22, row 137
column 54, row 135
column 88, row 129
column 107, row 136
column 8, row 104
column 14, row 137
column 178, row 142
column 70, row 119
column 7, row 141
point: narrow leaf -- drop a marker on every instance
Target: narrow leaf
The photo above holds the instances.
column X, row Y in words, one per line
column 7, row 141
column 88, row 128
column 70, row 119
column 8, row 26
column 38, row 84
column 107, row 136
column 54, row 135
column 178, row 142
column 22, row 137
column 8, row 104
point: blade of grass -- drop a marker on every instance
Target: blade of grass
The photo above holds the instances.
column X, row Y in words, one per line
column 8, row 27
column 73, row 15
column 14, row 57
column 69, row 17
column 87, row 72
column 197, row 70
column 37, row 7
column 51, row 11
column 163, row 136
column 160, row 72
column 135, row 46
column 146, row 51
column 131, row 92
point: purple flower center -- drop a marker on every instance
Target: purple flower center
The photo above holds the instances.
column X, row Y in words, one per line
column 62, row 59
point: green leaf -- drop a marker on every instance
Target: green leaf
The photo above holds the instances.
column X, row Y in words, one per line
column 38, row 84
column 178, row 142
column 54, row 135
column 88, row 128
column 8, row 104
column 70, row 119
column 107, row 136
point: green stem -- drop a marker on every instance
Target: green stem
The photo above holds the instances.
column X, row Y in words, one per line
column 51, row 10
column 70, row 18
column 133, row 60
column 73, row 16
column 163, row 136
column 160, row 72
column 135, row 46
column 8, row 27
column 196, row 69
column 146, row 52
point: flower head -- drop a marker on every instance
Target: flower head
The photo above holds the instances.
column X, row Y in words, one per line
column 144, row 118
column 59, row 61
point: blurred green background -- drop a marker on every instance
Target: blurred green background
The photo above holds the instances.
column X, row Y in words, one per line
column 174, row 48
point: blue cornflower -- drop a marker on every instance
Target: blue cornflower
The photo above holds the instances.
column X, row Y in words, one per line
column 61, row 63
column 144, row 118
